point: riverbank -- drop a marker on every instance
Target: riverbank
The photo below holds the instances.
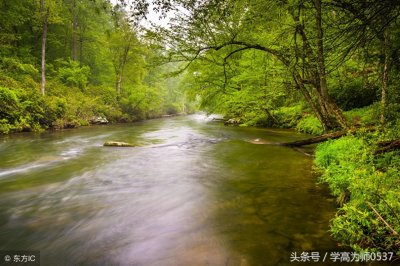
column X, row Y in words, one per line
column 366, row 184
column 24, row 109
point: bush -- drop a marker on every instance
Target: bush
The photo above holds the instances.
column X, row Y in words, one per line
column 310, row 124
column 339, row 159
column 368, row 190
column 353, row 94
column 5, row 127
column 288, row 116
column 72, row 74
column 9, row 108
column 172, row 108
column 368, row 115
column 22, row 110
column 15, row 66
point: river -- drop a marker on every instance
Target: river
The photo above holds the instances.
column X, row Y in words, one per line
column 193, row 193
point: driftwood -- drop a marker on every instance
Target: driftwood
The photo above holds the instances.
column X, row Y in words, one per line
column 384, row 146
column 387, row 146
column 314, row 140
column 324, row 137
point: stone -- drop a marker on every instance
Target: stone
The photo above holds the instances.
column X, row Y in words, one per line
column 99, row 120
column 118, row 144
column 232, row 121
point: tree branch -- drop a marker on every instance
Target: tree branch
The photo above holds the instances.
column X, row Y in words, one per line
column 381, row 218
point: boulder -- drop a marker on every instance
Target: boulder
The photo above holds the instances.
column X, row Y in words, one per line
column 99, row 120
column 232, row 121
column 118, row 144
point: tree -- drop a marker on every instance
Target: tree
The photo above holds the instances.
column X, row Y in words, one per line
column 365, row 21
column 44, row 12
column 122, row 43
column 230, row 27
column 48, row 13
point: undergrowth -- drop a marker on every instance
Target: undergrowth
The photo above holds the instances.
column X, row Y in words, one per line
column 367, row 187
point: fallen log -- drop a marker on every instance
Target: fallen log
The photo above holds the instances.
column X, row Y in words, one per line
column 314, row 140
column 325, row 137
column 387, row 146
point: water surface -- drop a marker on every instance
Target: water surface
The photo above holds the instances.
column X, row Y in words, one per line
column 193, row 193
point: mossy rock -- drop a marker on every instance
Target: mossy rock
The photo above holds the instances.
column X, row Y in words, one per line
column 118, row 144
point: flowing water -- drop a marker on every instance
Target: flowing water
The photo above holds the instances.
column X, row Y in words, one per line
column 193, row 193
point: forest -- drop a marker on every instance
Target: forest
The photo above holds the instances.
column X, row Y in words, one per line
column 316, row 66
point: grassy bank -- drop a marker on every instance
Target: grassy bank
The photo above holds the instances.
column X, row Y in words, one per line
column 367, row 187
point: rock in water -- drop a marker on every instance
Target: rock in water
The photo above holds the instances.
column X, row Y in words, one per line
column 232, row 121
column 258, row 141
column 99, row 120
column 118, row 144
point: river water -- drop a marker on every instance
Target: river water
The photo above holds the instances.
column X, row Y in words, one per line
column 193, row 193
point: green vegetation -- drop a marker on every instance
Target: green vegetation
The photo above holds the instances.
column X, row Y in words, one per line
column 367, row 189
column 64, row 63
column 316, row 66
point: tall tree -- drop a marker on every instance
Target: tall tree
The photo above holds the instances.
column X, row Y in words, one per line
column 74, row 12
column 122, row 43
column 44, row 12
column 362, row 22
column 231, row 27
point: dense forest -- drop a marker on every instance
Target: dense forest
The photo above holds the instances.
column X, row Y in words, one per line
column 64, row 64
column 315, row 66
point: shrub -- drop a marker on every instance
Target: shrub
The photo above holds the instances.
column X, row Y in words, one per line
column 310, row 124
column 71, row 74
column 339, row 159
column 368, row 190
column 9, row 108
column 353, row 94
column 5, row 127
column 15, row 66
column 368, row 115
column 288, row 116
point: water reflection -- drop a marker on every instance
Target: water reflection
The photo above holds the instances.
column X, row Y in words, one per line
column 194, row 193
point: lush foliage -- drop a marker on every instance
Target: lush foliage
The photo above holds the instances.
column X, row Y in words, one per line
column 95, row 65
column 367, row 188
column 316, row 66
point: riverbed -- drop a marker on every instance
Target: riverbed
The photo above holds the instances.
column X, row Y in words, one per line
column 193, row 192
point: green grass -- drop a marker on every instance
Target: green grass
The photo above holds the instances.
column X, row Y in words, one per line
column 368, row 190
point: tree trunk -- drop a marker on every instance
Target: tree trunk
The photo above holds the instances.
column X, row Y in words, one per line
column 385, row 74
column 44, row 40
column 324, row 137
column 74, row 32
column 268, row 114
column 388, row 146
column 119, row 82
column 331, row 108
column 317, row 139
column 307, row 97
column 320, row 51
column 81, row 50
column 123, row 59
column 327, row 112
